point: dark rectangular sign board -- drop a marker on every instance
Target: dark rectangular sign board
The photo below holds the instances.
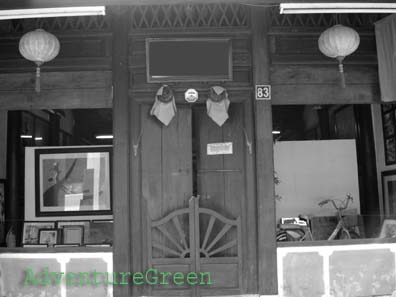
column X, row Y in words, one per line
column 188, row 59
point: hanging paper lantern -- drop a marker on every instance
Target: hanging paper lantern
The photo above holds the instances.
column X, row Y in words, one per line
column 39, row 46
column 338, row 42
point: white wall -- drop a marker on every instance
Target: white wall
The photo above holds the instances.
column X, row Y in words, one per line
column 30, row 206
column 311, row 171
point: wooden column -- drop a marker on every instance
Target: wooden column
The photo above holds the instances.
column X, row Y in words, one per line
column 121, row 144
column 266, row 247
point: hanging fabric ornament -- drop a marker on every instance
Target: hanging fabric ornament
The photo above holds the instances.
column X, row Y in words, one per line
column 164, row 108
column 39, row 46
column 217, row 105
column 338, row 42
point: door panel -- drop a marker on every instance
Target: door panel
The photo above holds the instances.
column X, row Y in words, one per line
column 168, row 178
column 166, row 162
column 220, row 178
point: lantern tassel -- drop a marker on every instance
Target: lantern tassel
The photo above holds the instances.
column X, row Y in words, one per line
column 38, row 79
column 341, row 68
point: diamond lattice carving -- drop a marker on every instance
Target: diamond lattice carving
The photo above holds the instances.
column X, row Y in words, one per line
column 323, row 20
column 189, row 15
column 86, row 23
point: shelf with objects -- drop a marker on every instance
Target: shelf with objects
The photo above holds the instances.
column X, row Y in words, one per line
column 66, row 167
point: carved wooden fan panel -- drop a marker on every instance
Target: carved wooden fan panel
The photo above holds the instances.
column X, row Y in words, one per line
column 197, row 239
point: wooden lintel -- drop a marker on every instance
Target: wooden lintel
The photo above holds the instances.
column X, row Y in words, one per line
column 13, row 4
column 325, row 94
column 25, row 82
column 148, row 96
column 56, row 99
column 323, row 74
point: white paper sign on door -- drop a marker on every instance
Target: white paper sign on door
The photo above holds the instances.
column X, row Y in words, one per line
column 220, row 148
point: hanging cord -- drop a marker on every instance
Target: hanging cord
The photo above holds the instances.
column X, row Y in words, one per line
column 38, row 78
column 341, row 68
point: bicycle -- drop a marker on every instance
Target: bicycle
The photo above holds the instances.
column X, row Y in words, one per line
column 341, row 227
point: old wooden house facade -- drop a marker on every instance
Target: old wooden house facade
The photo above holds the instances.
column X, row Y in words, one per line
column 157, row 169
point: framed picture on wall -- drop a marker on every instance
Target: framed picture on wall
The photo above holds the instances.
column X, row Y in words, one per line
column 83, row 224
column 73, row 181
column 31, row 231
column 389, row 193
column 388, row 112
column 48, row 236
column 73, row 234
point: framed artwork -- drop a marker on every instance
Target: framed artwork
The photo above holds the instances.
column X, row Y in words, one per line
column 30, row 234
column 73, row 181
column 389, row 192
column 84, row 224
column 48, row 236
column 101, row 232
column 388, row 229
column 388, row 112
column 73, row 234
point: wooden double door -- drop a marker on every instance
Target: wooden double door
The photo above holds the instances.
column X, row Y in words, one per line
column 174, row 166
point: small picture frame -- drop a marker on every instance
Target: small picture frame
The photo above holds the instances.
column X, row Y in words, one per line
column 84, row 224
column 31, row 231
column 388, row 229
column 73, row 234
column 48, row 236
column 101, row 232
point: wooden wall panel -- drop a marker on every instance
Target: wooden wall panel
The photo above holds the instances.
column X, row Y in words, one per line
column 82, row 51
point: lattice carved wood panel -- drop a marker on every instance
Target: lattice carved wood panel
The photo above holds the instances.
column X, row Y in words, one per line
column 197, row 239
column 323, row 20
column 187, row 231
column 189, row 15
column 62, row 24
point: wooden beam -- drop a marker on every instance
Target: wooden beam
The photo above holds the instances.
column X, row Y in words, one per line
column 323, row 75
column 266, row 246
column 12, row 4
column 325, row 94
column 121, row 144
column 56, row 99
column 55, row 80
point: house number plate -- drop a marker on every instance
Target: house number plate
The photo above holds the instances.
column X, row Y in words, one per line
column 263, row 92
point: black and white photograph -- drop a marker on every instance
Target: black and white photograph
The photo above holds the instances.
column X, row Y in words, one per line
column 252, row 141
column 48, row 236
